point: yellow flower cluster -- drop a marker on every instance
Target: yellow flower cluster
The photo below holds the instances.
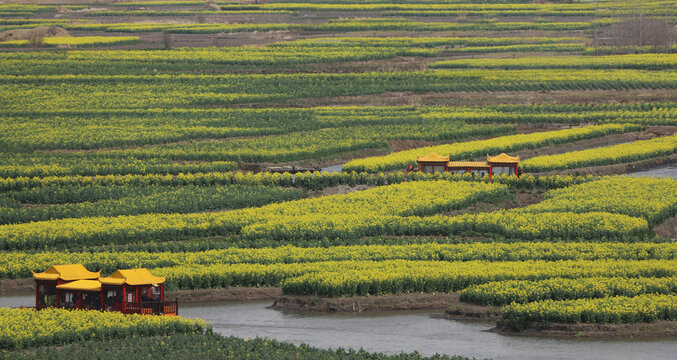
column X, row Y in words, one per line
column 524, row 291
column 78, row 41
column 20, row 264
column 401, row 209
column 350, row 278
column 640, row 61
column 354, row 214
column 622, row 153
column 619, row 309
column 56, row 92
column 21, row 328
column 653, row 199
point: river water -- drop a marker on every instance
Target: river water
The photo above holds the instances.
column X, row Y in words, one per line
column 332, row 168
column 398, row 331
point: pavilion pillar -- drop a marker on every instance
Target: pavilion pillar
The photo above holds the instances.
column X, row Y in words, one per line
column 162, row 292
column 124, row 298
column 58, row 298
column 37, row 294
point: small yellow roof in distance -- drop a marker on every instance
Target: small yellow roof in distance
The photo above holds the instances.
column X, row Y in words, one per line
column 469, row 164
column 132, row 277
column 85, row 285
column 66, row 272
column 503, row 158
column 432, row 157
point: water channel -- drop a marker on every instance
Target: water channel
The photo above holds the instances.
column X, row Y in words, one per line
column 422, row 331
column 332, row 168
column 663, row 171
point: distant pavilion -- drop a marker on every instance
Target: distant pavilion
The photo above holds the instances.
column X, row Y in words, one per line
column 502, row 164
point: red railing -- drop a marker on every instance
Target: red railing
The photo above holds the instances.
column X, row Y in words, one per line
column 152, row 307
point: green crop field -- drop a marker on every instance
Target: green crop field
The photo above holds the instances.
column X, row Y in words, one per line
column 238, row 147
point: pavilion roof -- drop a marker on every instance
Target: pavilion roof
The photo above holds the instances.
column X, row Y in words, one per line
column 433, row 157
column 85, row 285
column 468, row 164
column 66, row 272
column 132, row 277
column 503, row 158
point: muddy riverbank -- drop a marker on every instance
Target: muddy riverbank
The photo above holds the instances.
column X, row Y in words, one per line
column 413, row 301
column 667, row 329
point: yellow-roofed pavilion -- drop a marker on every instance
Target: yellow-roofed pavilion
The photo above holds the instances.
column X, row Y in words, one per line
column 503, row 158
column 136, row 287
column 132, row 277
column 495, row 165
column 432, row 163
column 66, row 273
column 129, row 291
column 49, row 291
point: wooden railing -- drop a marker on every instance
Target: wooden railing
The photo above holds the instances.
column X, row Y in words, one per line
column 152, row 307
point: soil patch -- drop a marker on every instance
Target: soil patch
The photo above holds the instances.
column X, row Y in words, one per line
column 399, row 145
column 17, row 287
column 237, row 293
column 413, row 301
column 465, row 311
column 521, row 199
column 657, row 329
column 667, row 229
column 26, row 34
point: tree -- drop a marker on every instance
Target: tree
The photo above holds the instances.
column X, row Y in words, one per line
column 36, row 40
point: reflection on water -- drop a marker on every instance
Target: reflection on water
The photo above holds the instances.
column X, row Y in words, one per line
column 408, row 331
column 663, row 171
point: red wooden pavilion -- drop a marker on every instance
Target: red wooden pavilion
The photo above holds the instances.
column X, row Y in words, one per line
column 128, row 291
